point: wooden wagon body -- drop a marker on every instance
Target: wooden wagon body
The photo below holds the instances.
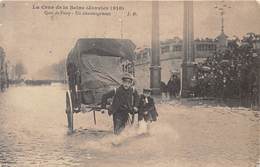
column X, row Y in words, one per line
column 94, row 66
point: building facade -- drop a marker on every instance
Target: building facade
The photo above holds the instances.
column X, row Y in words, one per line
column 171, row 57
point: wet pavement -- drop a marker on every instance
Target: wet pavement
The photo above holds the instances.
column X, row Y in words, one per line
column 33, row 132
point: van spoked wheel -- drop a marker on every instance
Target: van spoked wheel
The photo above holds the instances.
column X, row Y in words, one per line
column 69, row 111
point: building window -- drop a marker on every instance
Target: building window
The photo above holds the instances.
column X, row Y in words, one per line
column 165, row 49
column 145, row 57
column 214, row 47
column 206, row 47
column 199, row 47
column 177, row 48
column 138, row 57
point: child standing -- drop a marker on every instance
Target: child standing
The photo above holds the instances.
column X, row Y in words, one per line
column 146, row 111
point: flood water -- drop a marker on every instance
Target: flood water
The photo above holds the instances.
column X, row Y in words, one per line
column 33, row 132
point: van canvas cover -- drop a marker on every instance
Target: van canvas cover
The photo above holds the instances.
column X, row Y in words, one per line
column 98, row 60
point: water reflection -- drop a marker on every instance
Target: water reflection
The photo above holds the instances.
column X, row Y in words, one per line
column 33, row 130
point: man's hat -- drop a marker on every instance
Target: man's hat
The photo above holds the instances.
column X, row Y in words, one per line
column 127, row 76
column 147, row 90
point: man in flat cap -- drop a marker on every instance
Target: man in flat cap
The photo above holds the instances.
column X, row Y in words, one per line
column 125, row 101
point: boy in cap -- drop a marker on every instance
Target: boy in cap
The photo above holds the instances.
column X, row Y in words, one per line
column 146, row 110
column 125, row 102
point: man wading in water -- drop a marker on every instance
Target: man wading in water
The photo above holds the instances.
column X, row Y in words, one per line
column 125, row 102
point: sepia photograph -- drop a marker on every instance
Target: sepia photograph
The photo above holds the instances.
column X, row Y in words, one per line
column 130, row 83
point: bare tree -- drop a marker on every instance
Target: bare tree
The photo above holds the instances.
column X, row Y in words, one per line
column 20, row 70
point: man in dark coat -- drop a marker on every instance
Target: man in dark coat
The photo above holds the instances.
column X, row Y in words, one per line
column 125, row 102
column 164, row 89
column 173, row 86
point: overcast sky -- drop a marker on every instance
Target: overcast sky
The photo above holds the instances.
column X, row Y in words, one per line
column 37, row 39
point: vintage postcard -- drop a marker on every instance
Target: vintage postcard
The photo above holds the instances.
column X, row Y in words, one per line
column 130, row 83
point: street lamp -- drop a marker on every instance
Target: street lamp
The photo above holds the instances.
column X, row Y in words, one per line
column 221, row 8
column 155, row 68
column 188, row 65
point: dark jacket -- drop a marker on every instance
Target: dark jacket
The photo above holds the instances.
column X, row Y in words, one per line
column 123, row 100
column 163, row 87
column 147, row 106
column 174, row 85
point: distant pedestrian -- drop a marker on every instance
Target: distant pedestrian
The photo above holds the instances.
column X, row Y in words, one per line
column 173, row 86
column 254, row 95
column 193, row 85
column 164, row 90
